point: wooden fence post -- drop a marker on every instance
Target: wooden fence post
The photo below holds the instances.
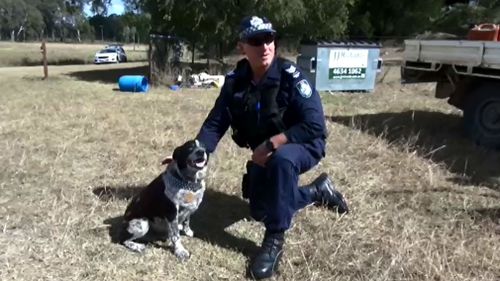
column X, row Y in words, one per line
column 43, row 49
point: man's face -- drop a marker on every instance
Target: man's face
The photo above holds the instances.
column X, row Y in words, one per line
column 259, row 50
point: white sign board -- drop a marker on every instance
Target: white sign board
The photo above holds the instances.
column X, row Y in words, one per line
column 347, row 64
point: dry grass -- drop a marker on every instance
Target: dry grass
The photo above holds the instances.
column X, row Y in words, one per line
column 18, row 54
column 424, row 204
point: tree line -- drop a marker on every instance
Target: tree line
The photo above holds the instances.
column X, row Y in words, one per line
column 212, row 24
column 65, row 20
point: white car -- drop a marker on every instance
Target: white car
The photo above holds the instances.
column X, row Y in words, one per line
column 107, row 56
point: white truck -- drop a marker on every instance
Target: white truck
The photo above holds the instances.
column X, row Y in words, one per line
column 467, row 74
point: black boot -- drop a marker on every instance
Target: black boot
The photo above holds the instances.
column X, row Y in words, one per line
column 266, row 262
column 323, row 193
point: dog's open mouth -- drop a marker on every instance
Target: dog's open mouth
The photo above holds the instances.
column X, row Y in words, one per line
column 199, row 162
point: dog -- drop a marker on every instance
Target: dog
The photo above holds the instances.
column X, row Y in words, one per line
column 171, row 197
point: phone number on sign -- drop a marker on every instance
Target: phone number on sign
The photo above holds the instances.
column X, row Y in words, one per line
column 345, row 72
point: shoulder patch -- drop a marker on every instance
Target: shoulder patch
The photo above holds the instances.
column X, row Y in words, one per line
column 304, row 88
column 230, row 74
column 296, row 74
column 291, row 69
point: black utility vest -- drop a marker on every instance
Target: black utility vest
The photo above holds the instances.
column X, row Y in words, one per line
column 255, row 114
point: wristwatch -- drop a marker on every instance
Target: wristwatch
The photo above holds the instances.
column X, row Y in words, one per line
column 270, row 146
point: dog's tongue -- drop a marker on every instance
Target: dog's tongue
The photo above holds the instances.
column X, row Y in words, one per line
column 200, row 164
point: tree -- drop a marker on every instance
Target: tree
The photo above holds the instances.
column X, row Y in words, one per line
column 115, row 27
column 133, row 34
column 98, row 22
column 11, row 16
column 134, row 6
column 325, row 19
column 48, row 9
column 392, row 18
column 213, row 24
column 126, row 34
column 34, row 21
column 99, row 7
column 459, row 18
column 492, row 10
column 139, row 25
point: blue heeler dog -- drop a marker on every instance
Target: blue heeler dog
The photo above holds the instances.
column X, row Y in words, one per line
column 172, row 197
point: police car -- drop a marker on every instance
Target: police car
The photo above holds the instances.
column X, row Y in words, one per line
column 110, row 54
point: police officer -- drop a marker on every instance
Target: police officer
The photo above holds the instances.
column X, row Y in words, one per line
column 273, row 110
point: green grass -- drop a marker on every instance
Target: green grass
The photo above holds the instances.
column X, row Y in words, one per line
column 26, row 54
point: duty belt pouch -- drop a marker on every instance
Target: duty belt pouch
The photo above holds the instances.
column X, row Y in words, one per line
column 245, row 182
column 237, row 113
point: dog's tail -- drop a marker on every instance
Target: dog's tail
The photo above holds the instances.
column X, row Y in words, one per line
column 167, row 160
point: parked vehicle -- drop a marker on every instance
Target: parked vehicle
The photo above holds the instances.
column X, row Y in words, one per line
column 119, row 48
column 467, row 73
column 114, row 45
column 114, row 54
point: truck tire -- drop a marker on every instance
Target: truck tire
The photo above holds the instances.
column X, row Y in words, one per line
column 482, row 115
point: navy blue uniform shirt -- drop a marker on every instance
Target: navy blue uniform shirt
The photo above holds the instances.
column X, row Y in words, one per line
column 304, row 117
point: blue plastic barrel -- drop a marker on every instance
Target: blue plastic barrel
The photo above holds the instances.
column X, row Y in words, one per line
column 133, row 83
column 174, row 87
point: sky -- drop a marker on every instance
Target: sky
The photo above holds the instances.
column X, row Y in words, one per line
column 115, row 8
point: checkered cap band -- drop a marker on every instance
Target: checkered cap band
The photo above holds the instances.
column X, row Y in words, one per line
column 255, row 25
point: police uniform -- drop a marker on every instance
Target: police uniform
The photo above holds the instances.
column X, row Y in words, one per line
column 283, row 101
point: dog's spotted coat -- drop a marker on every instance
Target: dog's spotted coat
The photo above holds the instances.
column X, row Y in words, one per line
column 172, row 197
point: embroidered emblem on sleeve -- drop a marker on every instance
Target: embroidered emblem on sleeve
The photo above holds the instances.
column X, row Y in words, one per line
column 304, row 88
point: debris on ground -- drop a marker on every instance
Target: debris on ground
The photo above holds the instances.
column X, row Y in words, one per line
column 200, row 80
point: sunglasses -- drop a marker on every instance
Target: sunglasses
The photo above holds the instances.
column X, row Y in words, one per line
column 260, row 40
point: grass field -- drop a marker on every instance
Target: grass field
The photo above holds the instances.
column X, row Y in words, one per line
column 22, row 54
column 425, row 201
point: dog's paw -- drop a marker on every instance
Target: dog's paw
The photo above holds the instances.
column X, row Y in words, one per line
column 133, row 246
column 182, row 254
column 188, row 232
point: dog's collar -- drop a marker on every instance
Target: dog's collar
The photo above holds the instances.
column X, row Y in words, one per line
column 175, row 183
column 187, row 194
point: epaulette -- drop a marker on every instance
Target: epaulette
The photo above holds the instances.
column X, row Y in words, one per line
column 290, row 69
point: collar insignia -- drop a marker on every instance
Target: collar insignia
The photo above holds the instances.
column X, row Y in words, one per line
column 291, row 69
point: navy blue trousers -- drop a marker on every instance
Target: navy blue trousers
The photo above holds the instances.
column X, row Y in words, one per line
column 274, row 194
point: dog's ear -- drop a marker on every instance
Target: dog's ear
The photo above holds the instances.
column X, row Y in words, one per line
column 167, row 160
column 177, row 153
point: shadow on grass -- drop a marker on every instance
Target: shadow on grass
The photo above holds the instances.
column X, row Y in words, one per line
column 109, row 75
column 430, row 191
column 483, row 217
column 435, row 136
column 216, row 212
column 492, row 214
